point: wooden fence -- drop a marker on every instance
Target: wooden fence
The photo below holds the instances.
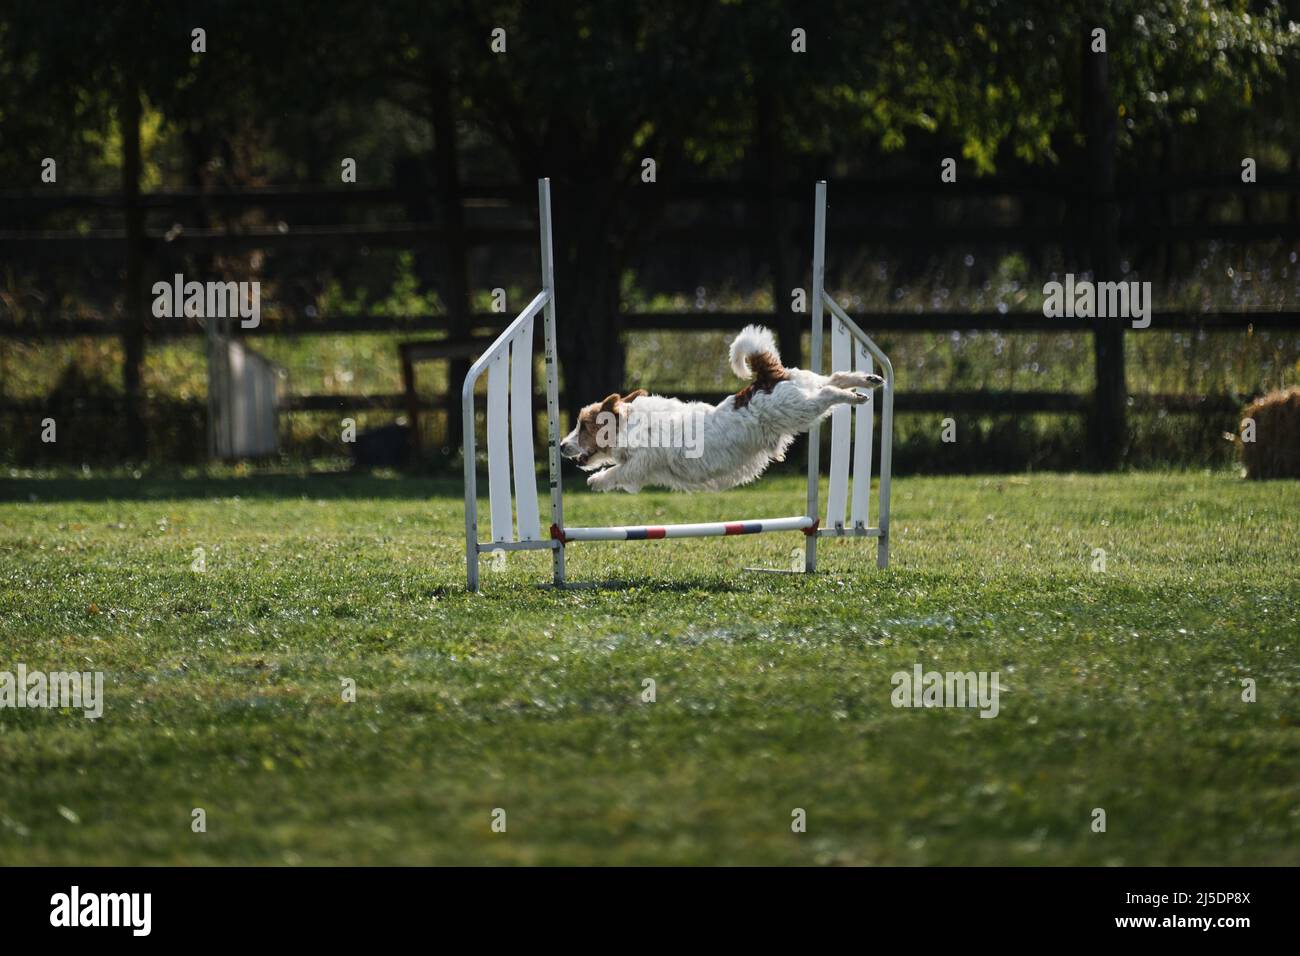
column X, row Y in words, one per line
column 25, row 238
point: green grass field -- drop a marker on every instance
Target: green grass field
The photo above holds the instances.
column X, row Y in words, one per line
column 1121, row 689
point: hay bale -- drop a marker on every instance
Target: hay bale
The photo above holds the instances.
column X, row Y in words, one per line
column 1275, row 452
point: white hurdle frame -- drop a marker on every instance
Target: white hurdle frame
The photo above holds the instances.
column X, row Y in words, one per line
column 508, row 362
column 515, row 345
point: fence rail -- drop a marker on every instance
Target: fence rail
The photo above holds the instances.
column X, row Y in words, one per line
column 982, row 401
column 732, row 190
column 108, row 242
column 695, row 321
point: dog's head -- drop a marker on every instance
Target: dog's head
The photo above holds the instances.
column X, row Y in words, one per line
column 592, row 442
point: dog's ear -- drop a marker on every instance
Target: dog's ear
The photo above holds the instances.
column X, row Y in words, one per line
column 633, row 396
column 610, row 403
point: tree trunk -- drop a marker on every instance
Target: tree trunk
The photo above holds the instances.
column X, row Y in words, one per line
column 789, row 327
column 133, row 299
column 589, row 326
column 1295, row 193
column 1108, row 432
column 455, row 249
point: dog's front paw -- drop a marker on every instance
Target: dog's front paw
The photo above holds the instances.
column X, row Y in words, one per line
column 858, row 398
column 601, row 481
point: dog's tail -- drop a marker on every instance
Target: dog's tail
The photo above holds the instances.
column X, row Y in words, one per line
column 753, row 352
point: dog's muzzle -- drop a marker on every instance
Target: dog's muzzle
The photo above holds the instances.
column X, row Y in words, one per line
column 574, row 454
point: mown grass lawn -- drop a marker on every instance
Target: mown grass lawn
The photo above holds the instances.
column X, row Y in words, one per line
column 1121, row 689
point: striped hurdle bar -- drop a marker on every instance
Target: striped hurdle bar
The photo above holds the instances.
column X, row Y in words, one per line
column 710, row 529
column 509, row 365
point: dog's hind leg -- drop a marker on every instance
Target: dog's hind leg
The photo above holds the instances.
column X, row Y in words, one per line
column 795, row 415
column 855, row 380
column 828, row 396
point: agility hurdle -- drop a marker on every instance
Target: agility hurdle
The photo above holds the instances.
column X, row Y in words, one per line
column 514, row 519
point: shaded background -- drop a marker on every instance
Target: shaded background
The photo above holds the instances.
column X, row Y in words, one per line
column 225, row 164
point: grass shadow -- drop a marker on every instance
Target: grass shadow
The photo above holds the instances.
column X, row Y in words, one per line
column 172, row 487
column 653, row 585
column 327, row 486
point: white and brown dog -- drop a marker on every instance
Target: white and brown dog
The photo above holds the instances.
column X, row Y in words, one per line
column 637, row 439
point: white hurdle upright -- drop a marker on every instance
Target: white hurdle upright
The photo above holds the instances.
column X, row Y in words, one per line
column 848, row 341
column 509, row 364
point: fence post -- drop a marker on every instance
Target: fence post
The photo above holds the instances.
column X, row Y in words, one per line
column 133, row 299
column 456, row 254
column 1108, row 433
column 789, row 328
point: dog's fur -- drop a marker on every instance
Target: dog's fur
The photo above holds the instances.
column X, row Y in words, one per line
column 737, row 439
